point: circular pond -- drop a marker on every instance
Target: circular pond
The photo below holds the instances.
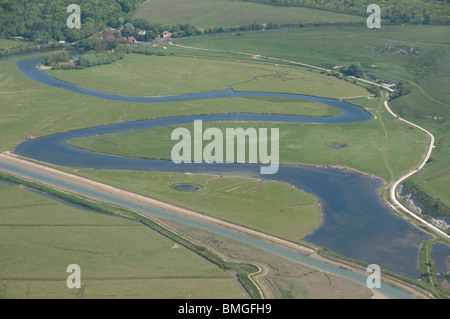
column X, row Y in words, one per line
column 186, row 187
column 337, row 144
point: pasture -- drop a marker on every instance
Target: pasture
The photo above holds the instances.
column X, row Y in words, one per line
column 418, row 54
column 119, row 258
column 216, row 13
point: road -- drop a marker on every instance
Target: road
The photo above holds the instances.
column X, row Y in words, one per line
column 393, row 189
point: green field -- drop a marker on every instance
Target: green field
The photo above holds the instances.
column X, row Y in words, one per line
column 418, row 54
column 383, row 147
column 32, row 109
column 271, row 207
column 8, row 44
column 119, row 258
column 330, row 46
column 216, row 13
column 141, row 75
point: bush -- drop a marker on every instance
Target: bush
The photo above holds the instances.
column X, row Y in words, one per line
column 54, row 59
column 374, row 90
column 403, row 88
column 99, row 58
column 355, row 69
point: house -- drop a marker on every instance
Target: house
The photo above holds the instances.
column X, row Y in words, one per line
column 389, row 84
column 166, row 34
column 108, row 36
column 128, row 40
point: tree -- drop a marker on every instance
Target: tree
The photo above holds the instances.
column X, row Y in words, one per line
column 375, row 90
column 88, row 27
column 128, row 29
column 355, row 69
column 73, row 35
column 91, row 44
column 402, row 88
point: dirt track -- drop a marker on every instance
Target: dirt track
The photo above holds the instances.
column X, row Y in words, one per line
column 397, row 204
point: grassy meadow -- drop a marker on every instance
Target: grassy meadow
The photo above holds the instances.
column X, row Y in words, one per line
column 32, row 109
column 271, row 207
column 119, row 258
column 142, row 75
column 383, row 147
column 418, row 54
column 216, row 13
column 8, row 44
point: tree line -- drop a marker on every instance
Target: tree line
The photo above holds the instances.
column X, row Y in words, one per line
column 46, row 20
column 399, row 11
column 42, row 21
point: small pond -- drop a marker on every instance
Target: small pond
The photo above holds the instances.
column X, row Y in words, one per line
column 186, row 187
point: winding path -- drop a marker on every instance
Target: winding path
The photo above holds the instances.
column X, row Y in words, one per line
column 393, row 193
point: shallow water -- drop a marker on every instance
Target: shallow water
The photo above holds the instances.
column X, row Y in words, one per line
column 357, row 223
column 186, row 187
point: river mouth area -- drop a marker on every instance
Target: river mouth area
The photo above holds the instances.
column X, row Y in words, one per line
column 357, row 223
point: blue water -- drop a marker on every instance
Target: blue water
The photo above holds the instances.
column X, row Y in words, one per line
column 349, row 113
column 282, row 251
column 186, row 187
column 357, row 223
column 440, row 253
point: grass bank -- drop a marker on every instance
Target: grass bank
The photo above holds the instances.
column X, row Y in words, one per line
column 270, row 207
column 228, row 13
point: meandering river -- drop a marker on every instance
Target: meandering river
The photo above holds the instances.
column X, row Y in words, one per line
column 357, row 223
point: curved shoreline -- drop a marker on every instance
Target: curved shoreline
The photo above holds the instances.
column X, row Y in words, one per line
column 349, row 113
column 315, row 180
column 307, row 252
column 392, row 192
column 393, row 196
column 330, row 166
